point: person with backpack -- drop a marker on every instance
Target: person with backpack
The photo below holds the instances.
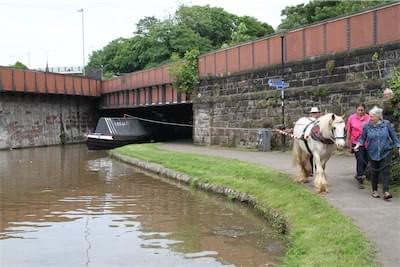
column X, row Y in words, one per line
column 381, row 137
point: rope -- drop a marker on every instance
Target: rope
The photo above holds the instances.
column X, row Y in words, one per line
column 286, row 133
column 212, row 127
column 244, row 129
column 159, row 122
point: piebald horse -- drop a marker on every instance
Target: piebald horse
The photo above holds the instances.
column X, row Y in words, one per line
column 315, row 140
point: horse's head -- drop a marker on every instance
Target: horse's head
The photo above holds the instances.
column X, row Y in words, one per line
column 333, row 127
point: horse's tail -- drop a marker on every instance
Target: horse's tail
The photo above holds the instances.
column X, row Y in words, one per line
column 296, row 152
column 301, row 160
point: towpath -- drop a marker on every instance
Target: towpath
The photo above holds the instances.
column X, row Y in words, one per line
column 378, row 219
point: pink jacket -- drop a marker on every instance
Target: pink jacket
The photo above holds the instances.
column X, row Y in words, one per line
column 355, row 126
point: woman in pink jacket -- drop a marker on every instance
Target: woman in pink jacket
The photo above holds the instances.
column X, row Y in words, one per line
column 355, row 124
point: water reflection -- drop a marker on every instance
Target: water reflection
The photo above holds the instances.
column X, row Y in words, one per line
column 71, row 207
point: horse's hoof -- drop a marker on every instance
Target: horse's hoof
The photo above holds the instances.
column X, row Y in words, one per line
column 300, row 179
column 322, row 190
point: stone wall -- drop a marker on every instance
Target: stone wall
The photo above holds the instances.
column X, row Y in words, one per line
column 41, row 120
column 334, row 83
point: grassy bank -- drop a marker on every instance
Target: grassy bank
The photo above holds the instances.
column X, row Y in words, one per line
column 318, row 235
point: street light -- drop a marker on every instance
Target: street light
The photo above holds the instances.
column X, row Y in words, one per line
column 47, row 60
column 83, row 43
column 282, row 36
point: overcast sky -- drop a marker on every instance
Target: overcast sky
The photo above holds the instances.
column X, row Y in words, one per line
column 33, row 30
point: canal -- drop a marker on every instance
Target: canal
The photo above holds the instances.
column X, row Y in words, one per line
column 73, row 207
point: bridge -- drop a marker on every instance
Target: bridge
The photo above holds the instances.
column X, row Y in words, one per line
column 39, row 82
column 327, row 53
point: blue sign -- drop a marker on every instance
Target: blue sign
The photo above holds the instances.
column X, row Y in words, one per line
column 278, row 84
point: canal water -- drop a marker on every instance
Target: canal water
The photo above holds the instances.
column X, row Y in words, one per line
column 73, row 207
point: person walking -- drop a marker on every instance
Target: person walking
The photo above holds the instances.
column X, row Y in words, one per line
column 381, row 137
column 355, row 124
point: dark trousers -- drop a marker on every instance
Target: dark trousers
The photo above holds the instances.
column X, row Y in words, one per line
column 381, row 168
column 362, row 160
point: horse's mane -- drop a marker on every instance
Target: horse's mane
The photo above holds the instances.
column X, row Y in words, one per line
column 325, row 126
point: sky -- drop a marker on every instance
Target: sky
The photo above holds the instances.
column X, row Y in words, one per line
column 38, row 31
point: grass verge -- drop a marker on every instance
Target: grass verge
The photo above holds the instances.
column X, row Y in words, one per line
column 318, row 235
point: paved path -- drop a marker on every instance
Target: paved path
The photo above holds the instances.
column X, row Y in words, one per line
column 378, row 219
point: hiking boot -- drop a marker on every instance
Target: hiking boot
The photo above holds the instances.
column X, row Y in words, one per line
column 375, row 194
column 360, row 180
column 387, row 196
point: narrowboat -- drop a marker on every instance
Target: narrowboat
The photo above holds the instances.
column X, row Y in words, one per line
column 114, row 132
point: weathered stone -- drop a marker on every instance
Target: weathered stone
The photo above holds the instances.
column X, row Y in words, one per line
column 38, row 120
column 355, row 78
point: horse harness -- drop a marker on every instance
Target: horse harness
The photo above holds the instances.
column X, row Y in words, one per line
column 315, row 134
column 305, row 139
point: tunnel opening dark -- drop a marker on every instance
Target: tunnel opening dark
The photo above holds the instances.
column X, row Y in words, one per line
column 162, row 115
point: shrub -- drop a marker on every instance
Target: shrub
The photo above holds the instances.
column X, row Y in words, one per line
column 185, row 72
column 395, row 86
column 395, row 168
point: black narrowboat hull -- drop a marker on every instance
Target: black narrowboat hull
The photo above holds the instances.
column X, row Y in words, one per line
column 115, row 132
column 96, row 143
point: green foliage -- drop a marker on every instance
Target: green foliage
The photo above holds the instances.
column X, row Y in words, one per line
column 212, row 23
column 253, row 27
column 315, row 10
column 318, row 235
column 378, row 62
column 196, row 27
column 19, row 65
column 395, row 86
column 321, row 91
column 395, row 169
column 330, row 66
column 185, row 72
column 239, row 36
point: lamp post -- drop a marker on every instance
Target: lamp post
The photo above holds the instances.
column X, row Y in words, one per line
column 47, row 60
column 83, row 43
column 283, row 137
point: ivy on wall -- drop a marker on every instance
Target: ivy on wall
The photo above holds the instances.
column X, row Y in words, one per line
column 185, row 71
column 395, row 86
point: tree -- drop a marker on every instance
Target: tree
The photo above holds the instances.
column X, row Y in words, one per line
column 144, row 25
column 197, row 27
column 239, row 36
column 254, row 28
column 300, row 15
column 19, row 65
column 213, row 23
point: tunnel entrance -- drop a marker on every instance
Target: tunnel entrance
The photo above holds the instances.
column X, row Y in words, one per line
column 162, row 115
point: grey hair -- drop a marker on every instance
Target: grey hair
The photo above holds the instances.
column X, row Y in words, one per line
column 376, row 112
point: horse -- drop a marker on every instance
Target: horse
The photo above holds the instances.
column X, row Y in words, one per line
column 315, row 140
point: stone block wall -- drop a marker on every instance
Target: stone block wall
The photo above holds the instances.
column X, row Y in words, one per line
column 228, row 111
column 41, row 120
